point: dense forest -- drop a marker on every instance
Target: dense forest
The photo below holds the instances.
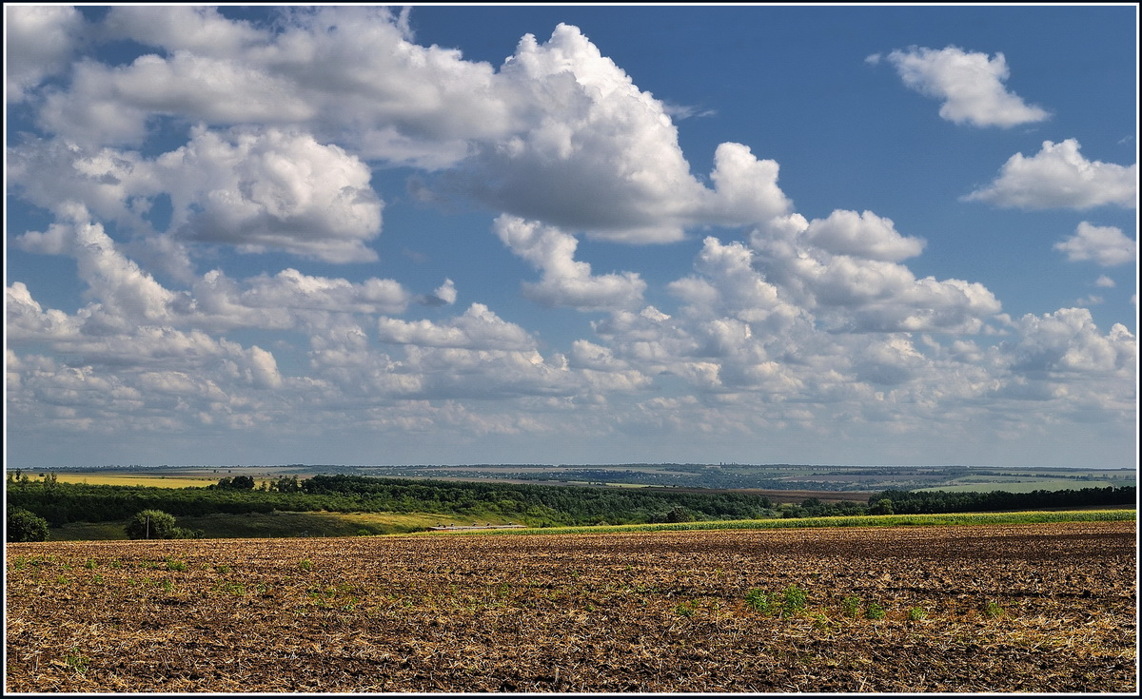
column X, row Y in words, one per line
column 536, row 505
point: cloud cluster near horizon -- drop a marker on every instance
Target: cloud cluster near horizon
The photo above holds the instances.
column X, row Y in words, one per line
column 797, row 324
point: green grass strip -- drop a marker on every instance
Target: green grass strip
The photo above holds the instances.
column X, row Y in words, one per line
column 945, row 520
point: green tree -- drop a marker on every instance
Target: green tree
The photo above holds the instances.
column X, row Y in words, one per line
column 882, row 507
column 152, row 524
column 22, row 525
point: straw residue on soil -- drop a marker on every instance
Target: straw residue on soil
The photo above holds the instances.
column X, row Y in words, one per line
column 1029, row 608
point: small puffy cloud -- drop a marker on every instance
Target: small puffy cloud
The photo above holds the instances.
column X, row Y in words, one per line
column 26, row 319
column 862, row 235
column 124, row 292
column 479, row 328
column 273, row 190
column 565, row 282
column 39, row 40
column 264, row 368
column 889, row 362
column 970, row 85
column 445, row 295
column 1069, row 341
column 745, row 188
column 290, row 289
column 726, row 284
column 1107, row 246
column 1104, row 282
column 585, row 354
column 1059, row 177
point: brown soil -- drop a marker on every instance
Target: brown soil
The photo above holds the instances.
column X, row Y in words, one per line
column 1031, row 608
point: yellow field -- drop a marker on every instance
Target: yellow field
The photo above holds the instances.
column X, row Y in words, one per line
column 128, row 479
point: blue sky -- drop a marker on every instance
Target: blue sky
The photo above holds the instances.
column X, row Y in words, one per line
column 544, row 234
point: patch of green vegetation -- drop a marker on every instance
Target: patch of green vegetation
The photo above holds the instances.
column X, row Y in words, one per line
column 982, row 518
column 851, row 606
column 77, row 661
column 874, row 611
column 256, row 525
column 992, row 610
column 788, row 602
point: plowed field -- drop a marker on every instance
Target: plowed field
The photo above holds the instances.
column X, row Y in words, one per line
column 1030, row 608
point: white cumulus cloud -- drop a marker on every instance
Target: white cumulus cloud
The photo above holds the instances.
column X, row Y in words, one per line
column 565, row 281
column 39, row 42
column 1059, row 177
column 970, row 85
column 273, row 190
column 1107, row 246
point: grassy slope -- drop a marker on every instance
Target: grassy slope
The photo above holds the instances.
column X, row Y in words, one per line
column 273, row 525
column 311, row 524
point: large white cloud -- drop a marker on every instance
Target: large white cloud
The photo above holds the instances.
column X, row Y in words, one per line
column 863, row 290
column 273, row 190
column 1107, row 246
column 592, row 152
column 1068, row 341
column 560, row 134
column 39, row 42
column 348, row 74
column 1059, row 177
column 202, row 30
column 254, row 189
column 970, row 85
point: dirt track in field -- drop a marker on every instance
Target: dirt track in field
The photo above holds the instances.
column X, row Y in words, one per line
column 1030, row 608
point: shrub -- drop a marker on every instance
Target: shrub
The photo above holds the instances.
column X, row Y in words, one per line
column 23, row 525
column 151, row 524
column 882, row 507
column 679, row 514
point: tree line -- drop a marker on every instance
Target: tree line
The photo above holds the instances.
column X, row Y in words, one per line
column 57, row 503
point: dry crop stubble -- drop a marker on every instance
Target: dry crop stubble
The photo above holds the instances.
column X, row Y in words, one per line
column 1039, row 608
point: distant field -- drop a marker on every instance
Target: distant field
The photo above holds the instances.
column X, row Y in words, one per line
column 1023, row 486
column 151, row 481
